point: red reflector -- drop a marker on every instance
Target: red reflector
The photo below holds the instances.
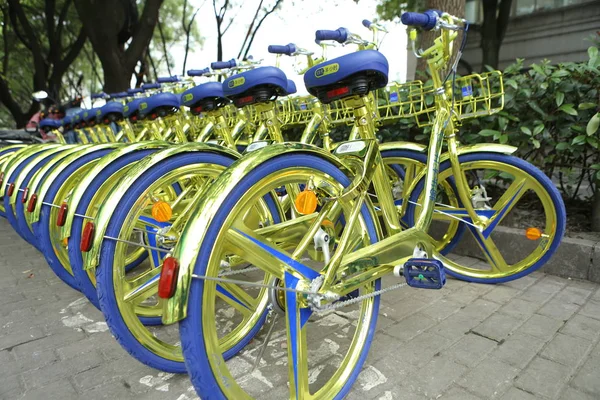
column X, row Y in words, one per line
column 11, row 189
column 1, row 177
column 246, row 99
column 86, row 237
column 62, row 215
column 168, row 278
column 338, row 92
column 198, row 109
column 31, row 204
column 25, row 195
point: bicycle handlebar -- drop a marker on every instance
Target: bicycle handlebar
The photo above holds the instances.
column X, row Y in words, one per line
column 340, row 35
column 366, row 23
column 100, row 95
column 223, row 64
column 198, row 72
column 426, row 20
column 118, row 95
column 149, row 86
column 135, row 90
column 168, row 79
column 288, row 49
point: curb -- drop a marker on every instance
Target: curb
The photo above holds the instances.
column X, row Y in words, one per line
column 575, row 258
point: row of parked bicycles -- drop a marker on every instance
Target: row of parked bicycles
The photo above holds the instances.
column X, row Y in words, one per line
column 181, row 202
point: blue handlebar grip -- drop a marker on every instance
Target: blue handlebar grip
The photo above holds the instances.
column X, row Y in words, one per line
column 426, row 20
column 168, row 79
column 339, row 35
column 100, row 95
column 149, row 86
column 366, row 23
column 118, row 95
column 135, row 90
column 223, row 64
column 198, row 72
column 288, row 49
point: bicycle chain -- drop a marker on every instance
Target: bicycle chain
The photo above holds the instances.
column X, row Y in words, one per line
column 330, row 306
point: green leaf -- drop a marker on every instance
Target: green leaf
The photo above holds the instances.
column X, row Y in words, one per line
column 502, row 122
column 536, row 143
column 593, row 53
column 512, row 83
column 538, row 69
column 586, row 106
column 562, row 146
column 526, row 130
column 569, row 109
column 592, row 141
column 560, row 97
column 535, row 106
column 538, row 129
column 579, row 140
column 561, row 73
column 595, row 166
column 593, row 124
column 488, row 132
column 503, row 138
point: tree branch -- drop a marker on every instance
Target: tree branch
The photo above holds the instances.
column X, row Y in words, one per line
column 250, row 27
column 62, row 17
column 277, row 3
column 164, row 46
column 188, row 31
column 143, row 33
column 61, row 67
column 503, row 16
column 39, row 79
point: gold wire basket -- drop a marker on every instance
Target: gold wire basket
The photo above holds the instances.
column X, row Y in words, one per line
column 297, row 110
column 474, row 95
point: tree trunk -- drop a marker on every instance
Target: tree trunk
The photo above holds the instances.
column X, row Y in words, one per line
column 104, row 22
column 596, row 209
column 495, row 22
column 452, row 7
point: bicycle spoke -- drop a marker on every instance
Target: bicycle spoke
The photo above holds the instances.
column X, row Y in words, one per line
column 142, row 286
column 490, row 251
column 237, row 298
column 297, row 344
column 508, row 200
column 259, row 252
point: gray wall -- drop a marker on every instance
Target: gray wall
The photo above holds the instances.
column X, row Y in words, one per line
column 557, row 35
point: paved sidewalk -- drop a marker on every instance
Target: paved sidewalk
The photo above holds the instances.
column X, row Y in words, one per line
column 533, row 338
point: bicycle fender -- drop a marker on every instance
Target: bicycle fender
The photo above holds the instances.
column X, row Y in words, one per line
column 15, row 158
column 91, row 259
column 402, row 146
column 482, row 148
column 105, row 161
column 186, row 250
column 42, row 186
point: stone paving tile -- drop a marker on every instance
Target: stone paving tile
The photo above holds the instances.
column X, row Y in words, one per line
column 574, row 394
column 490, row 378
column 566, row 350
column 470, row 350
column 583, row 327
column 517, row 394
column 543, row 377
column 519, row 340
column 518, row 349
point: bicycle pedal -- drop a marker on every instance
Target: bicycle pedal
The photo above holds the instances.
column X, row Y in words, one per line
column 424, row 273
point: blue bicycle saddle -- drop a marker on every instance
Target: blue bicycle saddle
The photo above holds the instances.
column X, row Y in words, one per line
column 132, row 107
column 160, row 100
column 112, row 107
column 206, row 91
column 351, row 74
column 50, row 123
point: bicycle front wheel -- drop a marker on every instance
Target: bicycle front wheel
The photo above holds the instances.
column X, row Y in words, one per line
column 311, row 355
column 507, row 193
